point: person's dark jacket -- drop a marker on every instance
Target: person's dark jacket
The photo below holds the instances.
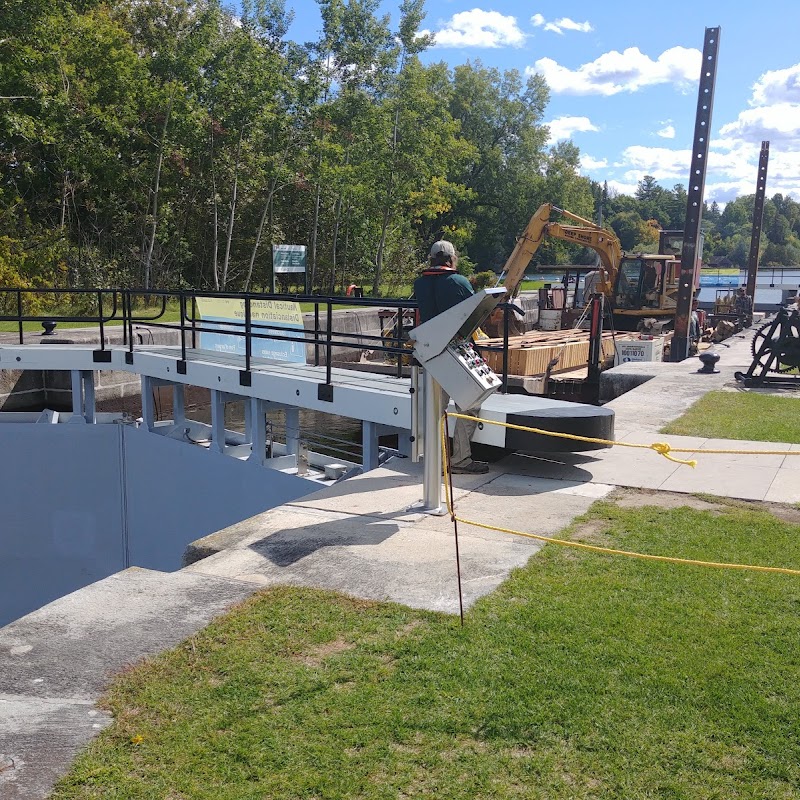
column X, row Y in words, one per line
column 437, row 290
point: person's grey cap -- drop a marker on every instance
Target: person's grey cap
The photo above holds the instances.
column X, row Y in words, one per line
column 442, row 246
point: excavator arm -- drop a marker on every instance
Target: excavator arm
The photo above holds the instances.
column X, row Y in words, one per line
column 585, row 233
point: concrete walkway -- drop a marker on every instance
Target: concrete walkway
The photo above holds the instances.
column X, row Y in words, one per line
column 641, row 413
column 358, row 537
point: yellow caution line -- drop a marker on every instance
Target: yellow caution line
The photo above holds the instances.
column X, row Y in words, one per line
column 580, row 545
column 628, row 553
column 662, row 448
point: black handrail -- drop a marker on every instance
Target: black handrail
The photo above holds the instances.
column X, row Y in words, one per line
column 250, row 329
column 100, row 318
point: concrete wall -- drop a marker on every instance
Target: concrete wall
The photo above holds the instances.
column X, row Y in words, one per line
column 80, row 502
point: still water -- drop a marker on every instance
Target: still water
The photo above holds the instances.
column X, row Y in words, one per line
column 772, row 285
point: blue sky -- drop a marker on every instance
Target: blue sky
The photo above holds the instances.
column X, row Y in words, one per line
column 623, row 79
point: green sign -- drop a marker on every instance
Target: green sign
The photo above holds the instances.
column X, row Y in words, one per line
column 288, row 258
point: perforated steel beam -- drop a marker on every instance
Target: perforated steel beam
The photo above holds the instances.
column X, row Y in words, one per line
column 758, row 218
column 679, row 348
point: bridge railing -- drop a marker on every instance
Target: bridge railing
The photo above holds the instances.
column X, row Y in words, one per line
column 90, row 306
column 104, row 307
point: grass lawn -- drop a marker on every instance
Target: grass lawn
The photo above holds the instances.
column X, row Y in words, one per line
column 583, row 676
column 741, row 415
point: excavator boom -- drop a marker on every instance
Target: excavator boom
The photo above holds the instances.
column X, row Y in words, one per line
column 585, row 233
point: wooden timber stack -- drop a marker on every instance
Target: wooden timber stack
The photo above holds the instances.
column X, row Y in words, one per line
column 531, row 353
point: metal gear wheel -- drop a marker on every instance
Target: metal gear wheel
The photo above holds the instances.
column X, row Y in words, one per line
column 785, row 348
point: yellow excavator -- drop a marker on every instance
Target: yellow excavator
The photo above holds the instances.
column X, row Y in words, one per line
column 636, row 286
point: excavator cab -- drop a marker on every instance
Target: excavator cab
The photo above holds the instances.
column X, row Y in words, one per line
column 639, row 284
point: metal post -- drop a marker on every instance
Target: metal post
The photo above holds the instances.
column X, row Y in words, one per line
column 432, row 453
column 679, row 348
column 77, row 396
column 595, row 340
column 182, row 306
column 292, row 423
column 19, row 315
column 257, row 428
column 100, row 316
column 87, row 378
column 148, row 406
column 129, row 303
column 316, row 334
column 249, row 416
column 217, row 421
column 398, row 335
column 506, row 312
column 124, row 295
column 328, row 349
column 178, row 404
column 758, row 218
column 248, row 330
column 194, row 322
column 369, row 438
column 417, row 391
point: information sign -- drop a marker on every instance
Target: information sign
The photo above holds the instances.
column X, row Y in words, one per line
column 279, row 317
column 288, row 258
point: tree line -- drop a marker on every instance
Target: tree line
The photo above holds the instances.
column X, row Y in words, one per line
column 171, row 143
column 637, row 219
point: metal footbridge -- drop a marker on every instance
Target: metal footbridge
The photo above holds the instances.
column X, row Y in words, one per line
column 385, row 404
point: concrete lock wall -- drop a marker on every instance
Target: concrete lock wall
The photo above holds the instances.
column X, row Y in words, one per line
column 80, row 502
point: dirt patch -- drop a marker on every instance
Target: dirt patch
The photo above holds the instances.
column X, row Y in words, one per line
column 783, row 511
column 316, row 656
column 786, row 513
column 409, row 628
column 636, row 498
column 592, row 532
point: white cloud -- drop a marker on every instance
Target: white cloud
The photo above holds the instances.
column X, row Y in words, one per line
column 732, row 169
column 588, row 163
column 479, row 28
column 560, row 25
column 564, row 127
column 667, row 132
column 660, row 162
column 779, row 123
column 615, row 72
column 617, row 187
column 777, row 86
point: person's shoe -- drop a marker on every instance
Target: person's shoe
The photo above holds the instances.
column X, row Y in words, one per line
column 470, row 468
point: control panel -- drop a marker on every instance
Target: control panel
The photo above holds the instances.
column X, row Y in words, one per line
column 466, row 355
column 443, row 347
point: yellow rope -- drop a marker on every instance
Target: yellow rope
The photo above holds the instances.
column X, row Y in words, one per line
column 662, row 448
column 612, row 551
column 450, row 502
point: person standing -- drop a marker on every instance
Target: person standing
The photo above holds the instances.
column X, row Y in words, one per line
column 438, row 288
column 590, row 281
column 743, row 307
column 694, row 327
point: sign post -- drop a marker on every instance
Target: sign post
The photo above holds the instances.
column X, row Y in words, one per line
column 287, row 259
